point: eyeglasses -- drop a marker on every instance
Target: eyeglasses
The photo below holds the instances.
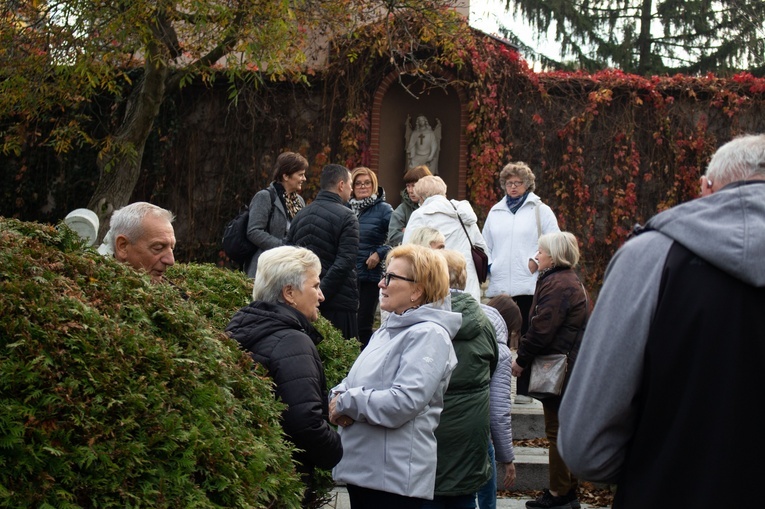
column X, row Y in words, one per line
column 387, row 276
column 514, row 183
column 366, row 183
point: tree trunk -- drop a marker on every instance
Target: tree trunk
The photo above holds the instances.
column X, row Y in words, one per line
column 120, row 164
column 645, row 61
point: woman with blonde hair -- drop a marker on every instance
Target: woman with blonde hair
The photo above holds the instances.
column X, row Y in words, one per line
column 373, row 212
column 428, row 237
column 389, row 405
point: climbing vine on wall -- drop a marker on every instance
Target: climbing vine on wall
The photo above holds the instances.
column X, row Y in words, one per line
column 608, row 149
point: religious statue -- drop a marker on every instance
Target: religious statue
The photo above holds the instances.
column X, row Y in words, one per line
column 423, row 144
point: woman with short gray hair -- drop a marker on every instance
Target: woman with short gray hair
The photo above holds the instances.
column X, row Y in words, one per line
column 559, row 312
column 276, row 330
column 455, row 219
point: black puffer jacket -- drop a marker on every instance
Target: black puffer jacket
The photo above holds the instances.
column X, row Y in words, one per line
column 282, row 340
column 330, row 229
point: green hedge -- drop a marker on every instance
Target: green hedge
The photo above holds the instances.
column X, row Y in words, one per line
column 115, row 392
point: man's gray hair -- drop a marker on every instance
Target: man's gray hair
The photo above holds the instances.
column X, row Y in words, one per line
column 742, row 158
column 283, row 266
column 128, row 221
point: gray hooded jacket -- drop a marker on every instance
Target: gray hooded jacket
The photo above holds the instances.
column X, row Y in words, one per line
column 613, row 397
column 395, row 394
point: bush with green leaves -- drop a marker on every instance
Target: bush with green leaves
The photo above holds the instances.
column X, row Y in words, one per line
column 116, row 392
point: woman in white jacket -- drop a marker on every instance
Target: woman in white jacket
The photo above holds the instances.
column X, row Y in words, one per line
column 438, row 212
column 511, row 231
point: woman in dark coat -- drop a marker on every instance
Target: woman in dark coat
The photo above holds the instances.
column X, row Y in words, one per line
column 557, row 319
column 272, row 208
column 369, row 205
column 276, row 329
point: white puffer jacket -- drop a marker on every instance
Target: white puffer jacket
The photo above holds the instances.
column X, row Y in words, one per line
column 512, row 240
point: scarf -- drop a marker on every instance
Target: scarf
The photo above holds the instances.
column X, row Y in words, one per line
column 359, row 205
column 515, row 203
column 290, row 201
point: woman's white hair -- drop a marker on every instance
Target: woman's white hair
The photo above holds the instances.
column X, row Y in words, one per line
column 430, row 185
column 563, row 248
column 425, row 235
column 283, row 266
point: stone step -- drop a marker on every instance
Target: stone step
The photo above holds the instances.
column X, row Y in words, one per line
column 531, row 465
column 528, row 420
column 531, row 469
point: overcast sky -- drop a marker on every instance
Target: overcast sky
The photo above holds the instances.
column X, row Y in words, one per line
column 487, row 15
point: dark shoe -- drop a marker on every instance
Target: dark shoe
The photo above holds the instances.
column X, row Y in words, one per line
column 547, row 501
column 573, row 500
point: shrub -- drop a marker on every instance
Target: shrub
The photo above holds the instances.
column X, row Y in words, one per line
column 115, row 392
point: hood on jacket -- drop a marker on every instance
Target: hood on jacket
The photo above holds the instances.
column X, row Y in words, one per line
column 438, row 312
column 464, row 304
column 725, row 229
column 260, row 320
column 405, row 198
column 441, row 205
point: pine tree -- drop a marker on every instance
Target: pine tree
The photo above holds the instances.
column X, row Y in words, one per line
column 651, row 36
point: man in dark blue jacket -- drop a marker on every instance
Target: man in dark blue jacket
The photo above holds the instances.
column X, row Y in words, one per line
column 329, row 228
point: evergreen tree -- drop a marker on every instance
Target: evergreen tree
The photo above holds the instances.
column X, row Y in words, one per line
column 650, row 36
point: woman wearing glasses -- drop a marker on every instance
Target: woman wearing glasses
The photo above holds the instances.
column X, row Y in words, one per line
column 511, row 231
column 368, row 203
column 389, row 405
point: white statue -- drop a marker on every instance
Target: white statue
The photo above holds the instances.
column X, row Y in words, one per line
column 423, row 144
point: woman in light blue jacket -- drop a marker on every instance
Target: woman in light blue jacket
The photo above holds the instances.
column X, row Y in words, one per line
column 389, row 405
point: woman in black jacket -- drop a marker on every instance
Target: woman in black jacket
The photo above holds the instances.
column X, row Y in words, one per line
column 276, row 329
column 369, row 205
column 557, row 319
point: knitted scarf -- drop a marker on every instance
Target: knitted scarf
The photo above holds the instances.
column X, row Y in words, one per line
column 358, row 205
column 515, row 203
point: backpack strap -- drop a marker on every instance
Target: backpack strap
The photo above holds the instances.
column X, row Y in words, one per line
column 272, row 192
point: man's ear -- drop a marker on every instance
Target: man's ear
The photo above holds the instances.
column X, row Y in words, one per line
column 706, row 186
column 120, row 247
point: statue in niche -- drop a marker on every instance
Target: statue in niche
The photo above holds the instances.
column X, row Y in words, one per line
column 423, row 144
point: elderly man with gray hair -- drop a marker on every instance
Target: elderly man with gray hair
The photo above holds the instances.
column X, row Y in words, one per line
column 141, row 235
column 678, row 325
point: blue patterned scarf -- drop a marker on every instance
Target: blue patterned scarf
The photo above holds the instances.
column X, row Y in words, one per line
column 515, row 203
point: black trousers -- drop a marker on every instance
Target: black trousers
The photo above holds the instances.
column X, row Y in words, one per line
column 524, row 304
column 346, row 321
column 369, row 297
column 366, row 498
